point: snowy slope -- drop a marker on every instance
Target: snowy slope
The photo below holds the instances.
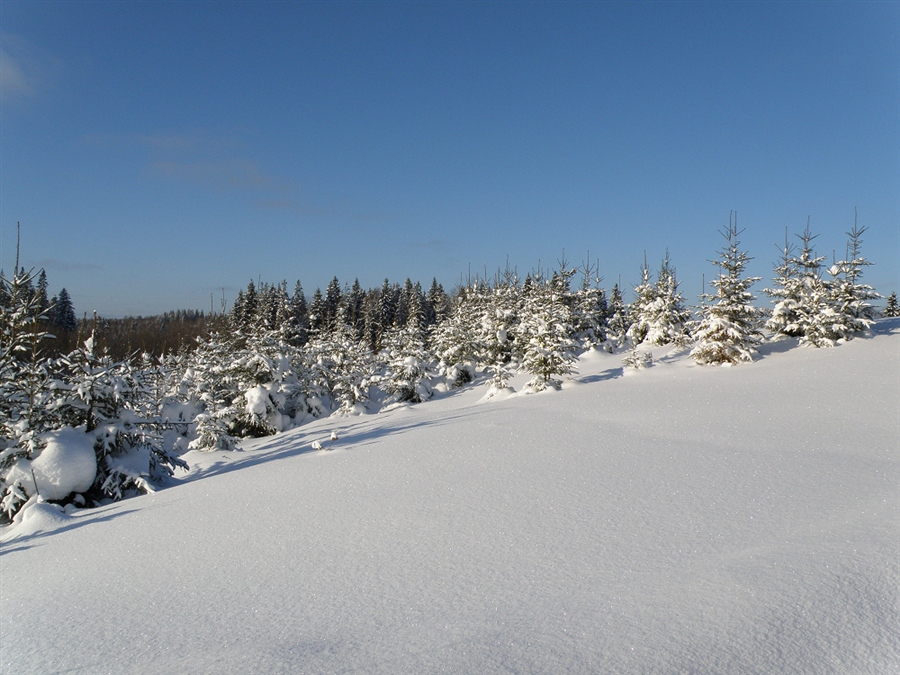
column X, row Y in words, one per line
column 675, row 519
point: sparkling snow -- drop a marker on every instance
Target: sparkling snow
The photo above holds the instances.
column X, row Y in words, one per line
column 682, row 519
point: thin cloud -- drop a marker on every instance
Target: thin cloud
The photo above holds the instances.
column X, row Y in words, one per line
column 25, row 69
column 223, row 175
column 67, row 266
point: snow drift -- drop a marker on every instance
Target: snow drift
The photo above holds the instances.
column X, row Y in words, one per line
column 682, row 519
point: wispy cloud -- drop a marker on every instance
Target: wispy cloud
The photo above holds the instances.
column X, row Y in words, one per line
column 67, row 266
column 228, row 174
column 25, row 69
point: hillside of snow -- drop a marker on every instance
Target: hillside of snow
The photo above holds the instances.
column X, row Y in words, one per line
column 677, row 519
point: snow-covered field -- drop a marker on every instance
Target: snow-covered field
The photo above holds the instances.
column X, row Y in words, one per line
column 679, row 519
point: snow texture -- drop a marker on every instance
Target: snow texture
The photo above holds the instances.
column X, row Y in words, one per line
column 682, row 520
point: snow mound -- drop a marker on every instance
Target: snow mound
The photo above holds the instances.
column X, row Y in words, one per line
column 65, row 465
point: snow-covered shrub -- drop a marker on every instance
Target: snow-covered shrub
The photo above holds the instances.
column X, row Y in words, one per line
column 637, row 360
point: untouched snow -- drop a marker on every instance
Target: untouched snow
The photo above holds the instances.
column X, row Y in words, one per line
column 682, row 519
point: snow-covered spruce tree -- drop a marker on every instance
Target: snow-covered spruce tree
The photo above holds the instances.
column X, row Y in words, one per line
column 103, row 397
column 408, row 366
column 666, row 316
column 850, row 298
column 808, row 311
column 639, row 310
column 892, row 309
column 24, row 385
column 786, row 294
column 454, row 343
column 268, row 390
column 815, row 314
column 207, row 388
column 590, row 310
column 546, row 326
column 344, row 367
column 728, row 331
column 617, row 324
column 497, row 314
column 299, row 324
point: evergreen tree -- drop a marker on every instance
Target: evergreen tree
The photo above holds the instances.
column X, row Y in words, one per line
column 639, row 311
column 786, row 294
column 455, row 344
column 408, row 365
column 891, row 310
column 387, row 310
column 43, row 299
column 590, row 310
column 299, row 316
column 332, row 304
column 617, row 323
column 729, row 331
column 549, row 350
column 436, row 304
column 356, row 308
column 666, row 316
column 317, row 316
column 250, row 314
column 64, row 312
column 850, row 298
column 815, row 315
column 26, row 408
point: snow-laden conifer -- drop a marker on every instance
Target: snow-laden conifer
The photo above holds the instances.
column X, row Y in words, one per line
column 666, row 316
column 408, row 365
column 590, row 310
column 850, row 299
column 806, row 309
column 454, row 344
column 785, row 293
column 549, row 350
column 728, row 331
column 617, row 324
column 891, row 309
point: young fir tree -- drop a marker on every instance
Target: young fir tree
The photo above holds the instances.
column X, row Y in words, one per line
column 455, row 346
column 617, row 324
column 317, row 318
column 815, row 314
column 850, row 298
column 590, row 310
column 407, row 363
column 729, row 331
column 549, row 350
column 640, row 311
column 892, row 309
column 666, row 316
column 299, row 318
column 331, row 303
column 25, row 387
column 786, row 294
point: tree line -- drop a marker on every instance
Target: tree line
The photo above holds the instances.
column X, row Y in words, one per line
column 277, row 361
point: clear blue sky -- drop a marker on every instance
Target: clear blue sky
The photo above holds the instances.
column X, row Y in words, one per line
column 156, row 152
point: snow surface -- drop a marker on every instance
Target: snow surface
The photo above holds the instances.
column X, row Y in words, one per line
column 685, row 519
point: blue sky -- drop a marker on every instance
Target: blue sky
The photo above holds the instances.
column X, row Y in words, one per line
column 157, row 152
